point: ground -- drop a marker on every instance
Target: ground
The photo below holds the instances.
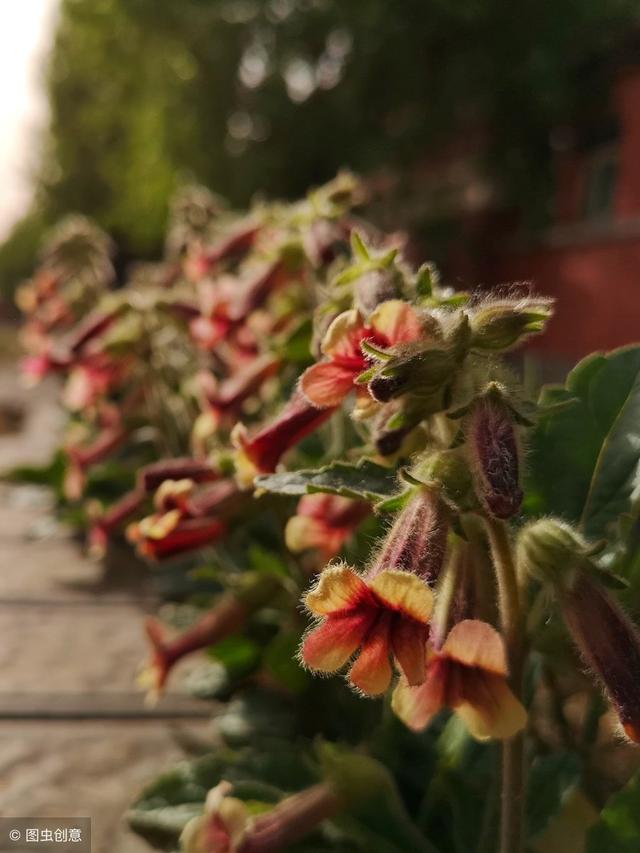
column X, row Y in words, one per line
column 75, row 736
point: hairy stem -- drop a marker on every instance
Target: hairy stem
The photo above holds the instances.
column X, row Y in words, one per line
column 513, row 776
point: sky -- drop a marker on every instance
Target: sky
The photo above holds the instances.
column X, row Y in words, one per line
column 26, row 30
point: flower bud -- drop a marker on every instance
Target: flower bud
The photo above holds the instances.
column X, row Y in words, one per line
column 605, row 636
column 498, row 326
column 423, row 372
column 551, row 551
column 609, row 643
column 495, row 454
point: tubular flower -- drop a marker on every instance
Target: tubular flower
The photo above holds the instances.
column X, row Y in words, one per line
column 417, row 540
column 469, row 675
column 109, row 521
column 160, row 536
column 227, row 617
column 220, row 828
column 182, row 468
column 382, row 616
column 92, row 378
column 81, row 458
column 261, row 454
column 609, row 643
column 227, row 825
column 184, row 521
column 607, row 639
column 385, row 613
column 330, row 381
column 325, row 523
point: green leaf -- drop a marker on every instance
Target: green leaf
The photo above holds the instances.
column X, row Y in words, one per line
column 281, row 659
column 358, row 247
column 550, row 778
column 375, row 816
column 618, row 829
column 365, row 480
column 238, row 654
column 585, row 459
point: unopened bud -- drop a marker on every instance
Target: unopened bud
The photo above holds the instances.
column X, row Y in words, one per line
column 607, row 639
column 551, row 551
column 423, row 372
column 495, row 455
column 498, row 326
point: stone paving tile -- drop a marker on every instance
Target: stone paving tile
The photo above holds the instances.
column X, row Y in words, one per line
column 85, row 769
column 72, row 643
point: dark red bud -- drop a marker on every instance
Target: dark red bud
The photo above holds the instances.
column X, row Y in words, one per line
column 609, row 642
column 495, row 454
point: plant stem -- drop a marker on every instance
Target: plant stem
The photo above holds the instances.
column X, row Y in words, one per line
column 513, row 777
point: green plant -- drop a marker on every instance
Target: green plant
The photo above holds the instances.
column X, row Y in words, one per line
column 283, row 392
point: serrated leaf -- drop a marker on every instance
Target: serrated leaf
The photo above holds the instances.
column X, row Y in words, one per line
column 365, row 480
column 585, row 460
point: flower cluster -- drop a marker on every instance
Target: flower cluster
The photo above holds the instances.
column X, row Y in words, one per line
column 283, row 409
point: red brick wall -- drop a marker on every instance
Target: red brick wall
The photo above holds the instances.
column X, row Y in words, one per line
column 596, row 279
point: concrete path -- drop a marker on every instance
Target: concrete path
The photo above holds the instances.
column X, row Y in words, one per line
column 75, row 737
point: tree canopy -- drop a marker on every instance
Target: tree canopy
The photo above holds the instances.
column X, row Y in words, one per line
column 271, row 96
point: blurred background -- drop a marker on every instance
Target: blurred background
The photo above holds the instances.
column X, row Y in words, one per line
column 504, row 140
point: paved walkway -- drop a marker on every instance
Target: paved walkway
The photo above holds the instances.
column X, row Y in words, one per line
column 75, row 737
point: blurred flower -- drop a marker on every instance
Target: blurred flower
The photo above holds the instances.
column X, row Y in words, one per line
column 324, row 522
column 261, row 453
column 469, row 675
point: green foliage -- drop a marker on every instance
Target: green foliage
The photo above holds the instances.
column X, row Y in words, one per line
column 618, row 829
column 585, row 457
column 364, row 480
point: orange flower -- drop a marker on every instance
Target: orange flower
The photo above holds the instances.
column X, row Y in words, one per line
column 329, row 382
column 324, row 522
column 383, row 615
column 469, row 675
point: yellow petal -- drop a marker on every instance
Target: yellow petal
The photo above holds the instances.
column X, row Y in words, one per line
column 478, row 644
column 405, row 592
column 303, row 532
column 489, row 708
column 338, row 337
column 172, row 489
column 339, row 588
column 159, row 526
column 417, row 706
